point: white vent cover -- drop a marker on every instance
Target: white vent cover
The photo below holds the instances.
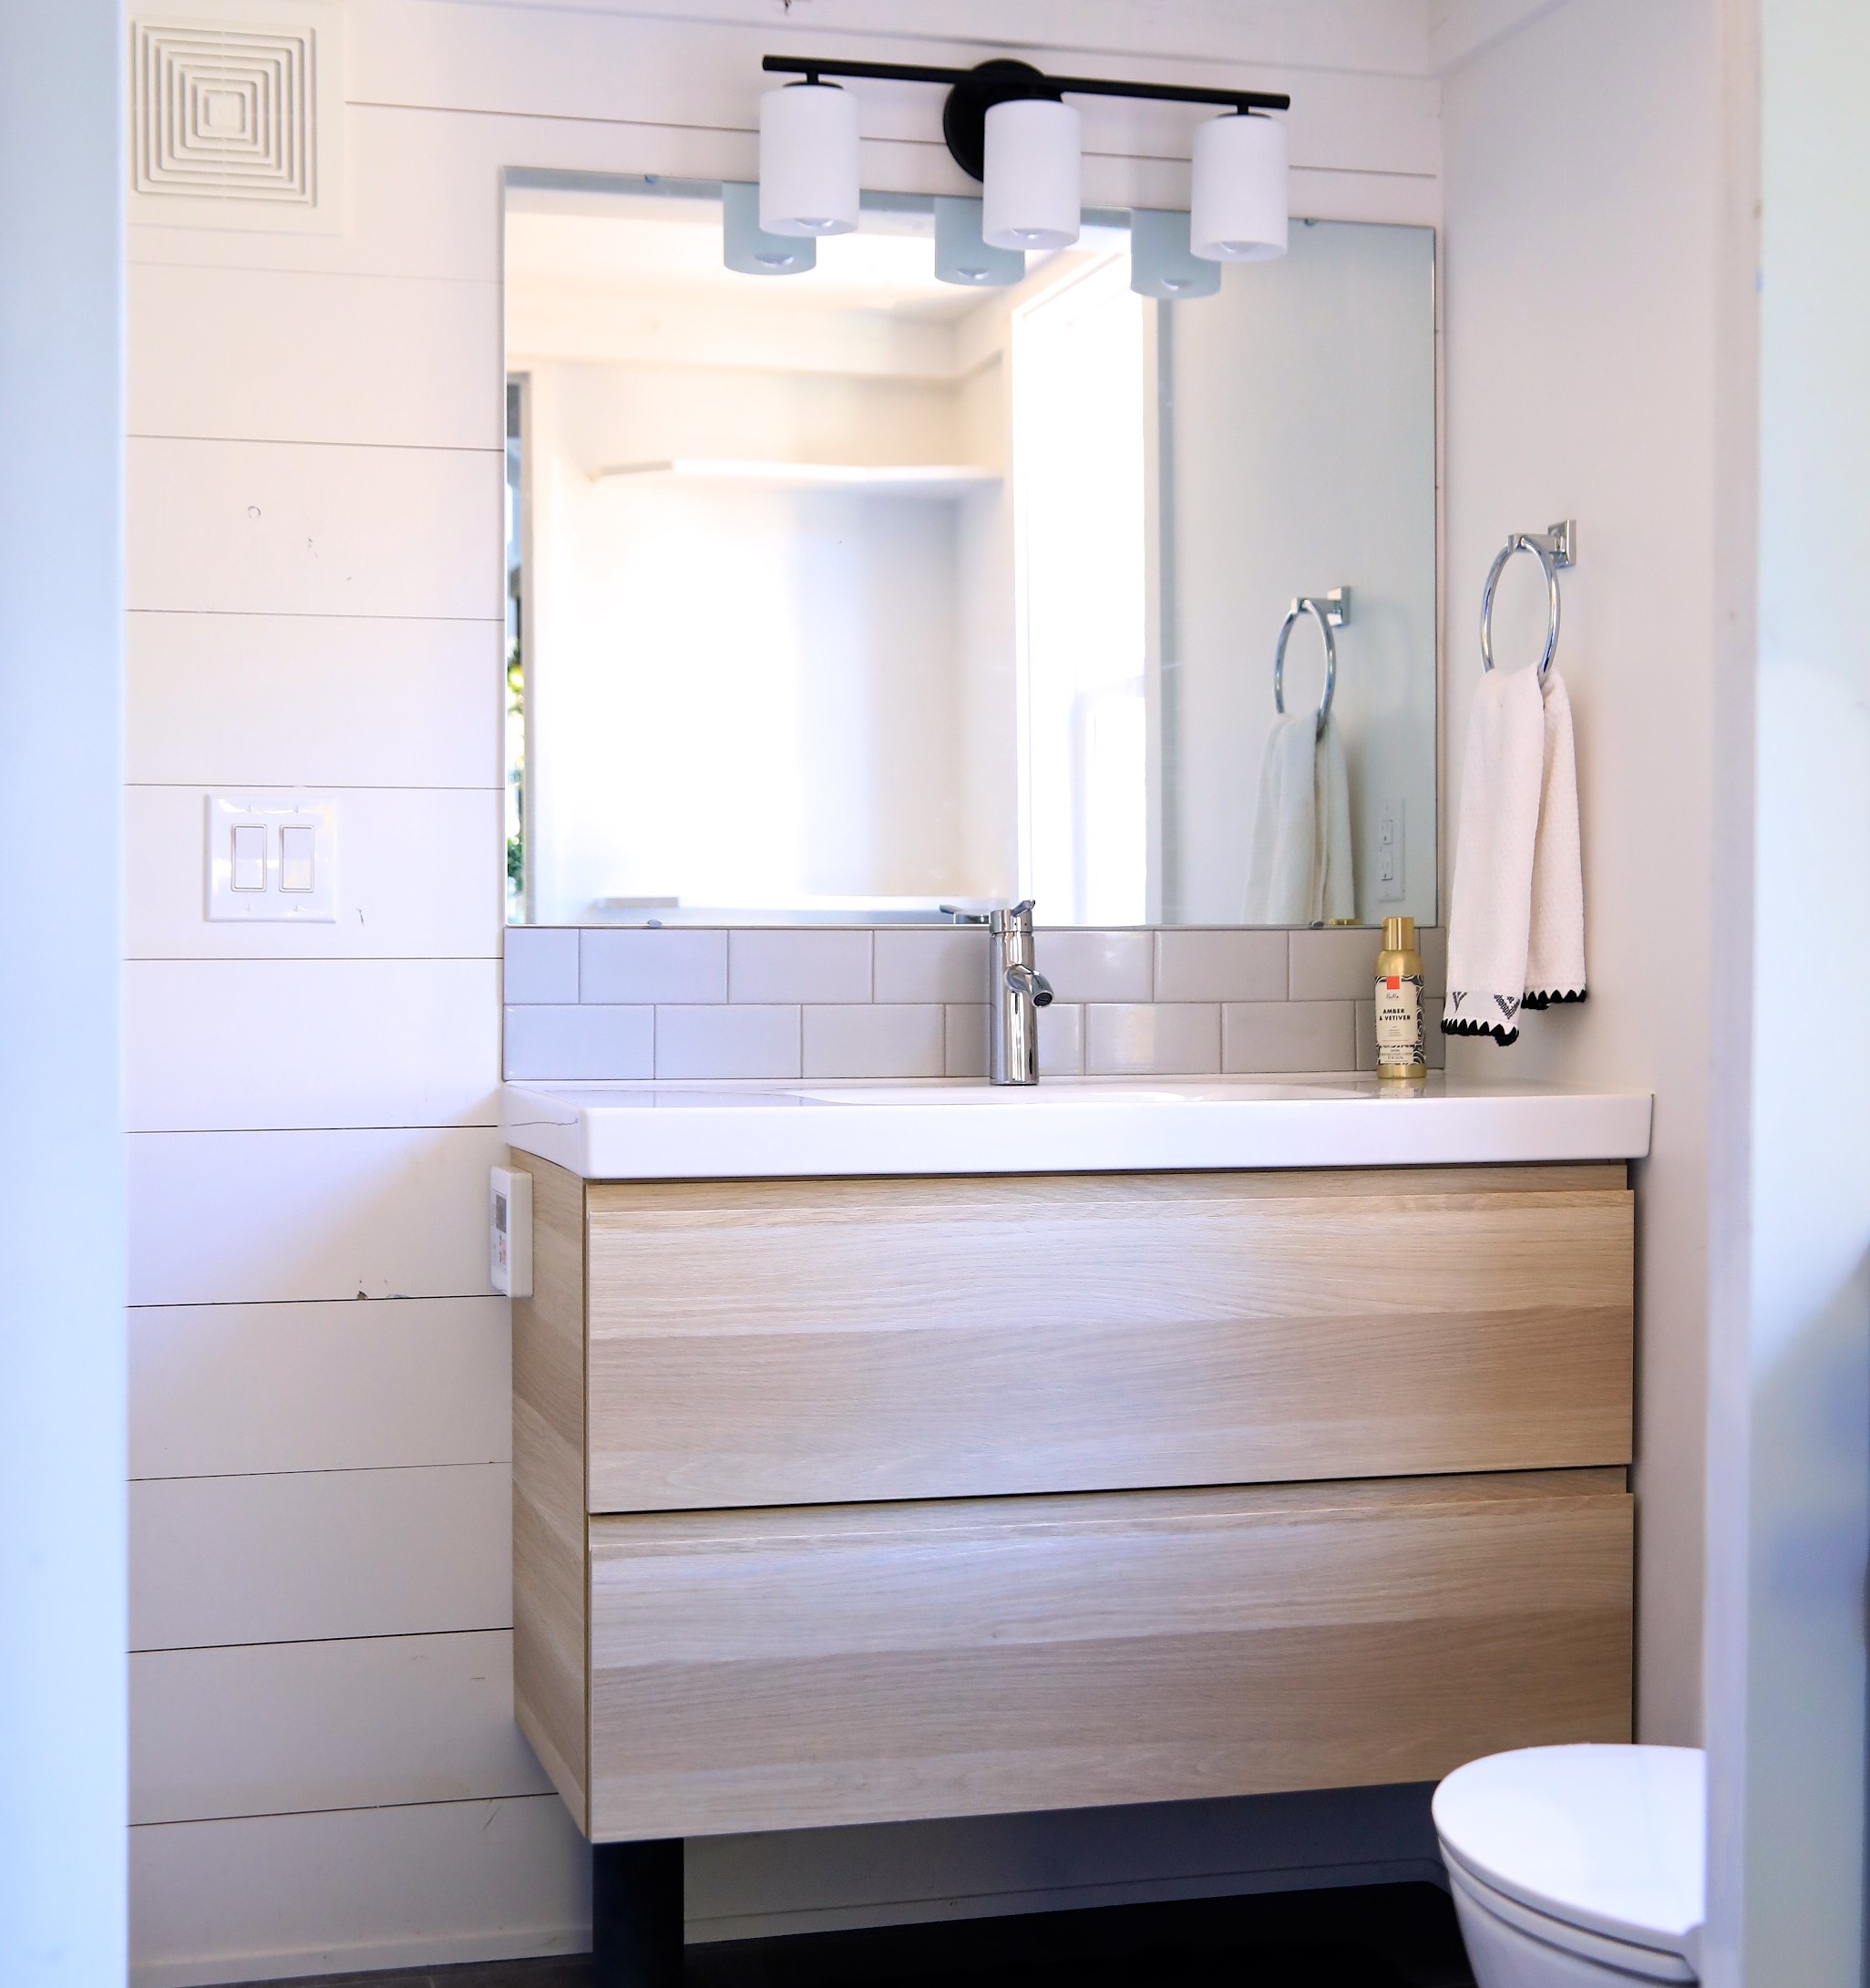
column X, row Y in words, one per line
column 226, row 114
column 237, row 121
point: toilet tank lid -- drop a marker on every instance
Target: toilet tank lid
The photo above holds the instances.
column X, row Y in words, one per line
column 1609, row 1838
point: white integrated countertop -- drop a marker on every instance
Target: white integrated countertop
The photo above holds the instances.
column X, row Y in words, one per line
column 698, row 1131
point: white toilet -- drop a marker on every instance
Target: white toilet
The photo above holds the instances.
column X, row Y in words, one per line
column 1578, row 1867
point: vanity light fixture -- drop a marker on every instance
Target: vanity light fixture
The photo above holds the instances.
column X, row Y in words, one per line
column 961, row 253
column 1162, row 263
column 1239, row 209
column 809, row 159
column 747, row 247
column 1007, row 124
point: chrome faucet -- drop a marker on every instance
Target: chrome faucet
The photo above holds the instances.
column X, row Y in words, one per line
column 1016, row 991
column 1019, row 991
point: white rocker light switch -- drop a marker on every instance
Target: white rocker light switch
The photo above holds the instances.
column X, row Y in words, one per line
column 271, row 857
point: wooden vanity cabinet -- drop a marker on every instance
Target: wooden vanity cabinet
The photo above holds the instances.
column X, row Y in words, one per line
column 851, row 1501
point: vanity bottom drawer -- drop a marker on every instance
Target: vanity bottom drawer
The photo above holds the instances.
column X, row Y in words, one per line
column 783, row 1669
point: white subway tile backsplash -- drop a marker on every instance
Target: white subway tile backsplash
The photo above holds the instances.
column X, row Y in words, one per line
column 1335, row 964
column 874, row 1039
column 1159, row 1038
column 1196, row 965
column 1061, row 1040
column 726, row 1043
column 764, row 1002
column 1083, row 965
column 967, row 1039
column 784, row 965
column 655, row 967
column 580, row 1042
column 1271, row 1037
column 541, row 964
column 941, row 965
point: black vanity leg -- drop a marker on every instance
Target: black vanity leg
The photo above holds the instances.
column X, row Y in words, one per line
column 636, row 1914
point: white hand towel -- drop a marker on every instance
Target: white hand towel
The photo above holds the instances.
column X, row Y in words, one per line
column 1517, row 866
column 1280, row 867
column 1555, row 962
column 1334, row 898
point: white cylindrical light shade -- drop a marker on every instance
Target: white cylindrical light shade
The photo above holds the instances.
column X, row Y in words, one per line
column 808, row 160
column 1031, row 199
column 747, row 247
column 1162, row 265
column 1238, row 211
column 962, row 254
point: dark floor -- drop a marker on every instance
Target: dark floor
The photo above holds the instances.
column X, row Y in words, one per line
column 1381, row 1936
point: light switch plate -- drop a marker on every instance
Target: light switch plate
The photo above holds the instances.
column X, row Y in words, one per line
column 1392, row 867
column 297, row 884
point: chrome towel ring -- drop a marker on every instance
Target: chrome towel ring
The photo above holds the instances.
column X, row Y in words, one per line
column 1555, row 550
column 1331, row 611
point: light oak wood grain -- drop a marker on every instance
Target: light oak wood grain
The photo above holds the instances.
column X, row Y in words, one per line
column 825, row 1341
column 795, row 1668
column 551, row 1651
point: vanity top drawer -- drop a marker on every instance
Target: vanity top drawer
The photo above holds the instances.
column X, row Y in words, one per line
column 781, row 1342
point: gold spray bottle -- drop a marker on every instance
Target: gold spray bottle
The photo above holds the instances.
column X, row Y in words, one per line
column 1401, row 1015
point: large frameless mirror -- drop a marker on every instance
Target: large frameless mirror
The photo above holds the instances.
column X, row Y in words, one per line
column 931, row 575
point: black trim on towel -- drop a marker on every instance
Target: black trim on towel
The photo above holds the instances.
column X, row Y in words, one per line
column 1545, row 1000
column 1499, row 1032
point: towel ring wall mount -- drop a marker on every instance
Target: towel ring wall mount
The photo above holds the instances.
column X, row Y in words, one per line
column 1554, row 549
column 1330, row 610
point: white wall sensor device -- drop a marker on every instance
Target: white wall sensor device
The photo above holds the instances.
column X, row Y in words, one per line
column 509, row 1230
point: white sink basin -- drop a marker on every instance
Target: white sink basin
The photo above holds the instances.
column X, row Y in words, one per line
column 727, row 1131
column 1063, row 1092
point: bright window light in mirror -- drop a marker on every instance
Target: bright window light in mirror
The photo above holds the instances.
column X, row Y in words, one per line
column 808, row 160
column 963, row 254
column 1162, row 264
column 1031, row 198
column 1239, row 209
column 747, row 247
column 1081, row 530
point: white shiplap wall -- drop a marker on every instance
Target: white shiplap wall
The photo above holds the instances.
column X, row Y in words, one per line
column 326, row 1774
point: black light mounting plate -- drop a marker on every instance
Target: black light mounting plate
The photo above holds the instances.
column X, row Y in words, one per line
column 964, row 115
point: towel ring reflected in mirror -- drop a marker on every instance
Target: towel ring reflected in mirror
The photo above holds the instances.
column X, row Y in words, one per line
column 1555, row 550
column 1329, row 611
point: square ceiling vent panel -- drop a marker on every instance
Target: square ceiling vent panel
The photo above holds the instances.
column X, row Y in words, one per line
column 238, row 122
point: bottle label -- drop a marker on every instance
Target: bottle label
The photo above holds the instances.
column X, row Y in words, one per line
column 1399, row 1021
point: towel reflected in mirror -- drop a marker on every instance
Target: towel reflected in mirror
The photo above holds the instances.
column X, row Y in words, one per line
column 1299, row 871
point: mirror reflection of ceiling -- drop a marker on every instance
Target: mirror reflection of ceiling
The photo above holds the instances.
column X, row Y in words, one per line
column 616, row 278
